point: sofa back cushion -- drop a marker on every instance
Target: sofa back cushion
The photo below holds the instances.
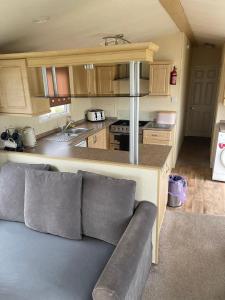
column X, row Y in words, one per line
column 53, row 203
column 12, row 185
column 107, row 206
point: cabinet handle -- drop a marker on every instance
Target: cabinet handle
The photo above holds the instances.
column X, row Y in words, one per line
column 154, row 134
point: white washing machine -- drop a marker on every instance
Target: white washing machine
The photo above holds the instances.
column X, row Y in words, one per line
column 219, row 163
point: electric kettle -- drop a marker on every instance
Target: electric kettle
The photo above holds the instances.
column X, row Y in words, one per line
column 28, row 137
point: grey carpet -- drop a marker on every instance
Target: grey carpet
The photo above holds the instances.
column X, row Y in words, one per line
column 192, row 259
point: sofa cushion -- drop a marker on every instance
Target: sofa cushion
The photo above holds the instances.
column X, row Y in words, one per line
column 53, row 203
column 12, row 185
column 107, row 206
column 38, row 266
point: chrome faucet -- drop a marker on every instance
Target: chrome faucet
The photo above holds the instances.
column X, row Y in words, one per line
column 67, row 126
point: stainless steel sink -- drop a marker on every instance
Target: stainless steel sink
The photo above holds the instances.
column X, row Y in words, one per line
column 76, row 131
column 67, row 135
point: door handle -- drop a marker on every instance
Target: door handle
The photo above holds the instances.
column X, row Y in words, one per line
column 192, row 108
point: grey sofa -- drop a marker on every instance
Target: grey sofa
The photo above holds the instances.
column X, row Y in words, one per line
column 40, row 266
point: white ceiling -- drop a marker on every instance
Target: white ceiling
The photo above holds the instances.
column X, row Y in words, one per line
column 207, row 19
column 79, row 23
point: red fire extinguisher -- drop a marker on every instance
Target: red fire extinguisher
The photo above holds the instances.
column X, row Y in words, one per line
column 173, row 76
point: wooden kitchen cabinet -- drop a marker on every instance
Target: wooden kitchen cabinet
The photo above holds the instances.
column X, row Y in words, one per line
column 104, row 78
column 95, row 81
column 159, row 79
column 98, row 140
column 158, row 137
column 163, row 191
column 14, row 90
column 84, row 81
column 15, row 96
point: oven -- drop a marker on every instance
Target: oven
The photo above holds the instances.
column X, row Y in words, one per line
column 120, row 141
column 119, row 135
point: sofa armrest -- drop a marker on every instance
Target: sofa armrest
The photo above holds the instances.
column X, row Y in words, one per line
column 126, row 272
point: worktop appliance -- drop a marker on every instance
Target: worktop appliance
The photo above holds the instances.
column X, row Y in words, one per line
column 29, row 137
column 120, row 132
column 11, row 139
column 166, row 117
column 95, row 115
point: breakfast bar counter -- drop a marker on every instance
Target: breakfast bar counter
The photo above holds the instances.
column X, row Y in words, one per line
column 149, row 155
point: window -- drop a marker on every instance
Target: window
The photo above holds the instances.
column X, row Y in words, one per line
column 56, row 112
column 59, row 109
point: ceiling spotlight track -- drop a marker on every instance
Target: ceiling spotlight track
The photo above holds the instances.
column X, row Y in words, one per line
column 116, row 39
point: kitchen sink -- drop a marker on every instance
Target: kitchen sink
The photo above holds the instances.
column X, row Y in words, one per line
column 67, row 135
column 75, row 131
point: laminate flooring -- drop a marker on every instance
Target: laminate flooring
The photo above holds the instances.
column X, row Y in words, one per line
column 204, row 195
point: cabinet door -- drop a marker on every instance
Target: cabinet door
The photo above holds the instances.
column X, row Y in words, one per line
column 123, row 71
column 163, row 191
column 84, row 81
column 14, row 89
column 80, row 80
column 157, row 137
column 105, row 76
column 91, row 82
column 159, row 79
column 98, row 140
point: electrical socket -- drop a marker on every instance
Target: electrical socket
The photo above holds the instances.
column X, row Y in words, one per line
column 173, row 99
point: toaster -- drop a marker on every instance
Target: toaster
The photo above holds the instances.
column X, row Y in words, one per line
column 95, row 115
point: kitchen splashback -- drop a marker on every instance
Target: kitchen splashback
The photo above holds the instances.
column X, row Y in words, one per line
column 144, row 115
column 40, row 126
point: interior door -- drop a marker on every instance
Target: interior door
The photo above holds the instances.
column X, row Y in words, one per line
column 201, row 101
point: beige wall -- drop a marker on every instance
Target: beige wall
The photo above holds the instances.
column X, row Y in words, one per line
column 205, row 56
column 220, row 108
column 40, row 125
column 79, row 107
column 181, row 116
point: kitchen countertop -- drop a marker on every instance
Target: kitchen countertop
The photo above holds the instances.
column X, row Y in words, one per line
column 149, row 155
column 161, row 127
column 93, row 127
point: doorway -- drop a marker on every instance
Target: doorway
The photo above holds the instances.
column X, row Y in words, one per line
column 194, row 158
column 201, row 101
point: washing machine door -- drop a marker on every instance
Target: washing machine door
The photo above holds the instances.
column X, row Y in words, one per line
column 222, row 158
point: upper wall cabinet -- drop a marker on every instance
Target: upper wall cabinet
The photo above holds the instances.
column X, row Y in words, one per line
column 84, row 81
column 98, row 80
column 104, row 79
column 159, row 79
column 15, row 93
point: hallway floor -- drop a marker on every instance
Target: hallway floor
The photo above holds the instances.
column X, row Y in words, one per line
column 204, row 195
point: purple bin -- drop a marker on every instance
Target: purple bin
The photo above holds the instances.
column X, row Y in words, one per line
column 177, row 190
